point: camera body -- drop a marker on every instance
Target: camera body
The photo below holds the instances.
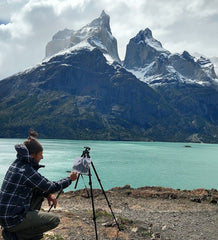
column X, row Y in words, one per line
column 86, row 152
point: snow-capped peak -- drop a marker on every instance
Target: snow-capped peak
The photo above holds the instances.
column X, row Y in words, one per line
column 97, row 34
column 145, row 37
column 142, row 49
column 151, row 63
column 103, row 21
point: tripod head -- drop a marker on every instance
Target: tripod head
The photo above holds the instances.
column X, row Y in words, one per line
column 86, row 152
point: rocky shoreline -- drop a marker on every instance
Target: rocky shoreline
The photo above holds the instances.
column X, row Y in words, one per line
column 142, row 213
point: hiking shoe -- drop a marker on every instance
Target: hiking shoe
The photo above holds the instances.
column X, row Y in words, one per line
column 8, row 235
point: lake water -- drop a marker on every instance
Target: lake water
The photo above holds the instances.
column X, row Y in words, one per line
column 119, row 163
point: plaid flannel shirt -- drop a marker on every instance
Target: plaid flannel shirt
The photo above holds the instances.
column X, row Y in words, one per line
column 21, row 180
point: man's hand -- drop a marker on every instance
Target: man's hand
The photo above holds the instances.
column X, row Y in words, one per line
column 73, row 176
column 52, row 198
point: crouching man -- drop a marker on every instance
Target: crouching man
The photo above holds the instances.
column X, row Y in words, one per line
column 23, row 191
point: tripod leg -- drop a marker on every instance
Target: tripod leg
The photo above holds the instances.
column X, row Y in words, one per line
column 77, row 180
column 109, row 205
column 93, row 206
column 85, row 186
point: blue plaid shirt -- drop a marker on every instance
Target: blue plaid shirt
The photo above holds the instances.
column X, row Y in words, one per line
column 20, row 181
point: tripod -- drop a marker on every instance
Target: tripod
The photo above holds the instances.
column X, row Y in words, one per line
column 86, row 154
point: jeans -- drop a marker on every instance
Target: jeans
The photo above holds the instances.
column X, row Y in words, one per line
column 35, row 223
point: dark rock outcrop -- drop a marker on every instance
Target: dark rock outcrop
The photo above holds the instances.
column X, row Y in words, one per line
column 142, row 50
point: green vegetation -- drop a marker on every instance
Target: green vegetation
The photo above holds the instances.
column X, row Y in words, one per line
column 95, row 101
column 55, row 237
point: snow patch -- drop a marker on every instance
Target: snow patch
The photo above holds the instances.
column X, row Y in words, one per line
column 173, row 76
column 109, row 59
column 155, row 44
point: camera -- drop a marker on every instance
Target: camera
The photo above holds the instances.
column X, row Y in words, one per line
column 87, row 149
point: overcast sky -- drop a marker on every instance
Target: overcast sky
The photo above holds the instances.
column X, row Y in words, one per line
column 26, row 26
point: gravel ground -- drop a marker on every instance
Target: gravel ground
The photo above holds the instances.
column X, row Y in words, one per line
column 141, row 214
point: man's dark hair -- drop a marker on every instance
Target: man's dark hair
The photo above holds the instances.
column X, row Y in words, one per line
column 32, row 143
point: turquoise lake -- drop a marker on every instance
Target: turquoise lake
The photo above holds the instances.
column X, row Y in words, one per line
column 119, row 163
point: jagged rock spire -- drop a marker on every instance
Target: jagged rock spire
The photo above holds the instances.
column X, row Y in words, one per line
column 97, row 34
column 103, row 21
column 142, row 49
column 142, row 35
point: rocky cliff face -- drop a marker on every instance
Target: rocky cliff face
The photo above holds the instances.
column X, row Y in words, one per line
column 142, row 49
column 214, row 61
column 97, row 34
column 59, row 42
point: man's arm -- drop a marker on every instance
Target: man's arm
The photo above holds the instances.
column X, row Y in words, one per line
column 36, row 180
column 52, row 198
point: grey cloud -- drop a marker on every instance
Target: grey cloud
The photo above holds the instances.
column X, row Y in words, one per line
column 179, row 25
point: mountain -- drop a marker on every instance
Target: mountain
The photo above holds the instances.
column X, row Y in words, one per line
column 187, row 83
column 96, row 34
column 80, row 96
column 214, row 60
column 142, row 49
column 83, row 91
column 151, row 63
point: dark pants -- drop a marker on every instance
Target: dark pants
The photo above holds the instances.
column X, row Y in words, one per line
column 35, row 223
